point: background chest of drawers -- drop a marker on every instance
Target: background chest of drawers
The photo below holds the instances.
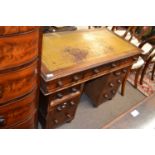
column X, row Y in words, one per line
column 19, row 76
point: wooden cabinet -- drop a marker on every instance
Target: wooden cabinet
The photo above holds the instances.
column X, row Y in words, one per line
column 19, row 76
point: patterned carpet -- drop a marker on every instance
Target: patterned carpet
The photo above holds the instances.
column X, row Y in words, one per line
column 148, row 86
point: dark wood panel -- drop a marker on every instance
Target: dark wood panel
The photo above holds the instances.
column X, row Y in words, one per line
column 17, row 83
column 18, row 50
column 17, row 111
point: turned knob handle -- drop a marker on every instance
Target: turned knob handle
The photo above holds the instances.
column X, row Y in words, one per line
column 72, row 103
column 2, row 121
column 96, row 71
column 59, row 95
column 69, row 116
column 106, row 95
column 124, row 70
column 56, row 121
column 75, row 78
column 113, row 91
column 59, row 108
column 135, row 58
column 74, row 90
column 111, row 85
column 119, row 81
column 117, row 73
column 59, row 83
column 113, row 65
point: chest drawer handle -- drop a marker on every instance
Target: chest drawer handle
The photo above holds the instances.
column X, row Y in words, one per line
column 2, row 121
column 1, row 91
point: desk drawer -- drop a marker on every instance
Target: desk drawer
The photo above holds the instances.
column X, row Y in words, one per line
column 17, row 111
column 18, row 50
column 64, row 82
column 17, row 83
column 62, row 111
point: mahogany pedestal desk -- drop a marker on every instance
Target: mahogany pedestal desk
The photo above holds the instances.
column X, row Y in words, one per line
column 96, row 60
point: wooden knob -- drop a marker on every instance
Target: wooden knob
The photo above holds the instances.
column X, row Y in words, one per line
column 117, row 73
column 96, row 71
column 56, row 121
column 72, row 103
column 59, row 108
column 63, row 106
column 74, row 90
column 135, row 58
column 113, row 65
column 111, row 84
column 75, row 78
column 59, row 95
column 69, row 116
column 59, row 83
column 2, row 121
column 119, row 81
column 106, row 95
column 124, row 70
column 113, row 91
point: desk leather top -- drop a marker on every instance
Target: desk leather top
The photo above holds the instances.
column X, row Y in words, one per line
column 64, row 51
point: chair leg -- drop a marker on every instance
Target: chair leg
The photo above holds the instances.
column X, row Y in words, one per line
column 144, row 70
column 152, row 77
column 137, row 76
column 124, row 82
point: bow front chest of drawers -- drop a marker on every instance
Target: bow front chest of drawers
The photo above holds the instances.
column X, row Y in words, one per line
column 92, row 61
column 19, row 76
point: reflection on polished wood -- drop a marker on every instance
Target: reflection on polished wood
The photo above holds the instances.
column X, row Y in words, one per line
column 71, row 60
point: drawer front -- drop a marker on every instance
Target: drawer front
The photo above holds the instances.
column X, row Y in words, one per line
column 59, row 84
column 64, row 93
column 17, row 111
column 62, row 112
column 17, row 83
column 8, row 30
column 18, row 50
column 30, row 123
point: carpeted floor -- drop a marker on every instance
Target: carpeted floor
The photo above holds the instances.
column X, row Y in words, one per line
column 88, row 117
